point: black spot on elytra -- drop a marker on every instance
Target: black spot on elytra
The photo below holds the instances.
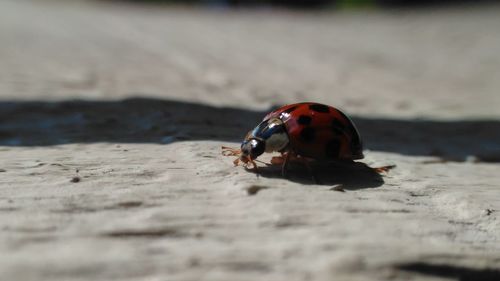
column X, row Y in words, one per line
column 355, row 141
column 332, row 148
column 356, row 145
column 307, row 134
column 290, row 109
column 319, row 108
column 337, row 131
column 337, row 124
column 304, row 120
column 337, row 127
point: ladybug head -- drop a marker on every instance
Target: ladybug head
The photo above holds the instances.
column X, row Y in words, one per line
column 252, row 148
column 269, row 136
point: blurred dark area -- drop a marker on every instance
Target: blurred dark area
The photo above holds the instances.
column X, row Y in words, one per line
column 145, row 120
column 318, row 4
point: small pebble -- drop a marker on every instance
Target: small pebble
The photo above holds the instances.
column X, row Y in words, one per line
column 254, row 189
column 75, row 179
column 338, row 188
column 130, row 204
column 488, row 211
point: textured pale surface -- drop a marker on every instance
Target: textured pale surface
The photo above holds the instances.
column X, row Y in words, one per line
column 157, row 201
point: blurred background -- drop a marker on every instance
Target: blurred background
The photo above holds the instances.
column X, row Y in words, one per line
column 423, row 73
column 317, row 3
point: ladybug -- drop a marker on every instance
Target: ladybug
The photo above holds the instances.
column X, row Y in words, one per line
column 303, row 131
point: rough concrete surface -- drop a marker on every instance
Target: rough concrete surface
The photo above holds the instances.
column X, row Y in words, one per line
column 112, row 116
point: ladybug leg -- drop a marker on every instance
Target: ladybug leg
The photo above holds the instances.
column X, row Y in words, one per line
column 383, row 169
column 311, row 172
column 277, row 160
column 250, row 164
column 254, row 166
column 229, row 151
column 284, row 167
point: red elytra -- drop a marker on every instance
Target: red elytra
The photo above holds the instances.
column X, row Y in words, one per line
column 319, row 131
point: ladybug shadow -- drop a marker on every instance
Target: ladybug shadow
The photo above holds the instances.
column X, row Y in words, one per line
column 164, row 121
column 132, row 120
column 340, row 176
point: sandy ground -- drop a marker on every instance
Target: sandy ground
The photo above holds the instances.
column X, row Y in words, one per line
column 112, row 118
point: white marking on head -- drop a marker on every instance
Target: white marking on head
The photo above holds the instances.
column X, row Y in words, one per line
column 276, row 142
